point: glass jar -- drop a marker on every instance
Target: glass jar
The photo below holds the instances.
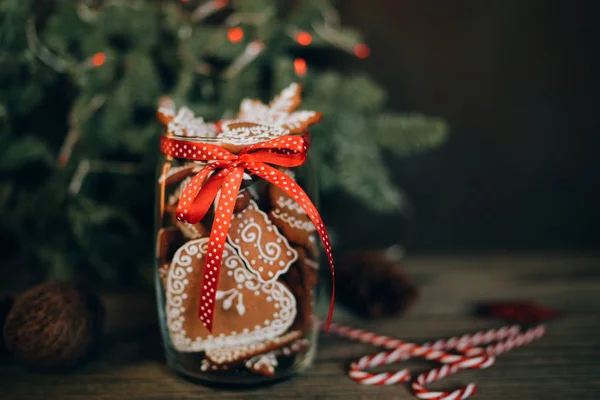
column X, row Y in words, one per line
column 264, row 325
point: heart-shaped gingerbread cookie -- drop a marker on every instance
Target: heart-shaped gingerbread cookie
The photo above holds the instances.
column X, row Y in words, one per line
column 246, row 310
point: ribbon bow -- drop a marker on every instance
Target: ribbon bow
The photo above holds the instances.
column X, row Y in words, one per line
column 198, row 196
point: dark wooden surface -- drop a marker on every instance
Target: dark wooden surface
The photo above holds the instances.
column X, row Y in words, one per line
column 563, row 365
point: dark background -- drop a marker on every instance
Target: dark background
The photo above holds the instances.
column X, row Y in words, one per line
column 517, row 82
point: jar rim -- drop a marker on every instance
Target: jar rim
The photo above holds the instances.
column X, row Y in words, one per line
column 193, row 139
column 218, row 141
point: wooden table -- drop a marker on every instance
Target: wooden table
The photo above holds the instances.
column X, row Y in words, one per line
column 563, row 365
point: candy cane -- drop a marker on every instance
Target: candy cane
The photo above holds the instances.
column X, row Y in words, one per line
column 472, row 356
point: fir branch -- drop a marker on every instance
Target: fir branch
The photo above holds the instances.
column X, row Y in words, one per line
column 87, row 167
column 256, row 19
column 343, row 38
column 251, row 52
column 153, row 49
column 77, row 117
column 6, row 191
column 22, row 151
column 360, row 168
column 86, row 217
column 407, row 134
column 329, row 13
column 207, row 9
column 362, row 94
column 42, row 52
column 12, row 14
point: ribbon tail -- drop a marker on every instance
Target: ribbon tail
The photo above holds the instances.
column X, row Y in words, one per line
column 189, row 196
column 205, row 197
column 214, row 256
column 287, row 184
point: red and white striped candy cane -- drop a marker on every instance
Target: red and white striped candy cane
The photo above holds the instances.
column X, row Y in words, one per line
column 517, row 340
column 472, row 356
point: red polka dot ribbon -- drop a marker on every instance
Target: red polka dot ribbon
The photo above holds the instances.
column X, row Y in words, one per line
column 229, row 168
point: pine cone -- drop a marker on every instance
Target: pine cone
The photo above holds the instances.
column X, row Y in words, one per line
column 5, row 306
column 54, row 326
column 372, row 286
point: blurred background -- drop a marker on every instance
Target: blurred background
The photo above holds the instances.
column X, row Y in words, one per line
column 471, row 127
column 517, row 82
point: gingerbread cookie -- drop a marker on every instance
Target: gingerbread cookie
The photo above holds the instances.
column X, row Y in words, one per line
column 265, row 364
column 280, row 112
column 257, row 122
column 237, row 135
column 289, row 217
column 265, row 251
column 174, row 175
column 295, row 347
column 184, row 123
column 190, row 231
column 166, row 113
column 233, row 355
column 242, row 201
column 310, row 269
column 163, row 273
column 313, row 247
column 168, row 241
column 246, row 311
column 206, row 365
column 301, row 279
column 262, row 364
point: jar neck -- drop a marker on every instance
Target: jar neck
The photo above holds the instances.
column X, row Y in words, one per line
column 216, row 141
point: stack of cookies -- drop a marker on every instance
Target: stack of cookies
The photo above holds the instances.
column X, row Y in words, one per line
column 264, row 299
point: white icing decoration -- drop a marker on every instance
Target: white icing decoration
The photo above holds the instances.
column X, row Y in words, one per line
column 311, row 263
column 289, row 173
column 293, row 221
column 298, row 119
column 168, row 111
column 186, row 124
column 248, row 134
column 189, row 230
column 268, row 361
column 228, row 296
column 290, row 204
column 185, row 258
column 285, row 101
column 174, row 197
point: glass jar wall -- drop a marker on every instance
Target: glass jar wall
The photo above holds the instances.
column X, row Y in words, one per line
column 263, row 326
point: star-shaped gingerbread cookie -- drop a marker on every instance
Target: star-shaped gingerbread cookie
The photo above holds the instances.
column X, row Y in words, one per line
column 184, row 123
column 280, row 112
